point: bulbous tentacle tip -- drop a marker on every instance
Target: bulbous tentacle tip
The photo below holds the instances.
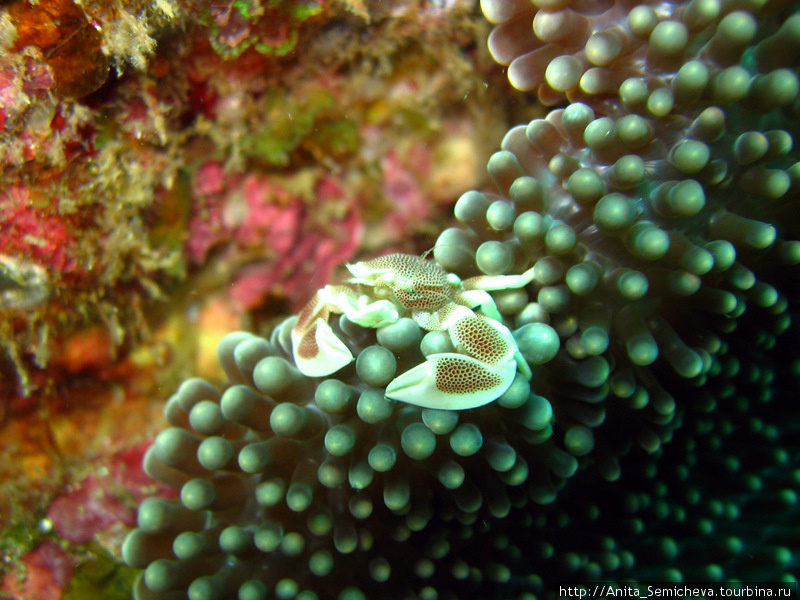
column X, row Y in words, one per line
column 451, row 381
column 318, row 351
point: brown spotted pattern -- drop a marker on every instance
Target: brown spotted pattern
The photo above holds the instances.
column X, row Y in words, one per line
column 479, row 339
column 308, row 347
column 307, row 315
column 314, row 310
column 419, row 284
column 463, row 376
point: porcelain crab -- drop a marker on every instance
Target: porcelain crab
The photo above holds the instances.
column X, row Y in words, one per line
column 486, row 357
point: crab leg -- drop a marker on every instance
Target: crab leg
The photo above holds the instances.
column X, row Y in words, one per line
column 499, row 282
column 476, row 290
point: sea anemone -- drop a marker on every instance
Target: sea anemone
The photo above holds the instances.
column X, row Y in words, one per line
column 655, row 209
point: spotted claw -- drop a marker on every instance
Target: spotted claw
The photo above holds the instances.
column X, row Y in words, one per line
column 479, row 372
column 451, row 381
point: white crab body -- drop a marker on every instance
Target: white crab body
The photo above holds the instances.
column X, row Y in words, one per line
column 486, row 357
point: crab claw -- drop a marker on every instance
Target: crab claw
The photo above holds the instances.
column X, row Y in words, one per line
column 317, row 350
column 451, row 381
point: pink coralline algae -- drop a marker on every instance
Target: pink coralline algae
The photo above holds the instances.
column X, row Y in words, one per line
column 36, row 233
column 79, row 515
column 402, row 187
column 48, row 571
column 272, row 216
column 101, row 502
column 205, row 226
column 286, row 242
column 302, row 248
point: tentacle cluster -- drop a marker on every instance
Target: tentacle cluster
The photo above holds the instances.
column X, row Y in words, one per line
column 320, row 485
column 293, row 491
column 658, row 213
